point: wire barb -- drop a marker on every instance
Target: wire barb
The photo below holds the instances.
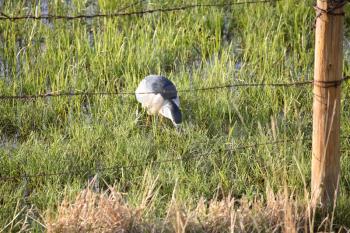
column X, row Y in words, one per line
column 333, row 6
column 4, row 15
column 327, row 84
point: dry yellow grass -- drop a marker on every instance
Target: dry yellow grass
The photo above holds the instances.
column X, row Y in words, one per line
column 107, row 212
column 92, row 212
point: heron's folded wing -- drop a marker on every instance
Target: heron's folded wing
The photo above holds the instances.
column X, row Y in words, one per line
column 163, row 86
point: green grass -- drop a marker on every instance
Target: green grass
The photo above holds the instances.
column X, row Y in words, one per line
column 194, row 48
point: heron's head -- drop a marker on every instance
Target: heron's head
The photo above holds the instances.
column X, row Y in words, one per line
column 172, row 111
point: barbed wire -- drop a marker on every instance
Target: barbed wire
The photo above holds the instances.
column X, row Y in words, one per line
column 335, row 5
column 325, row 84
column 76, row 171
column 4, row 16
column 82, row 93
column 26, row 177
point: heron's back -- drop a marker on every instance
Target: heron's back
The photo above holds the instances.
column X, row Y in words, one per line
column 153, row 85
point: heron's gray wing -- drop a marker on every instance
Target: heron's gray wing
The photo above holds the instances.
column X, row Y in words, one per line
column 163, row 86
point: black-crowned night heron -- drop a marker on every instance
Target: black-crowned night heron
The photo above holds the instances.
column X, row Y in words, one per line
column 158, row 95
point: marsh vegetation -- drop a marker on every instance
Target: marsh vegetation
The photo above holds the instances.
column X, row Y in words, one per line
column 78, row 136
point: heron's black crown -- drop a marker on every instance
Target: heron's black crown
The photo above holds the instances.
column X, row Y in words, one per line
column 175, row 112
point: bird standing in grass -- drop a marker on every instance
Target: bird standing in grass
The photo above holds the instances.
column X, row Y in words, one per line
column 158, row 95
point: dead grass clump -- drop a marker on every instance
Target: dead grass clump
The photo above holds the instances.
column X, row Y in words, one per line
column 106, row 212
column 278, row 213
column 92, row 212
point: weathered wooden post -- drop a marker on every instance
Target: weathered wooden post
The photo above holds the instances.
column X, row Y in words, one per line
column 326, row 105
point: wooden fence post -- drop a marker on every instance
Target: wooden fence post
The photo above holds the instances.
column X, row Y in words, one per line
column 326, row 103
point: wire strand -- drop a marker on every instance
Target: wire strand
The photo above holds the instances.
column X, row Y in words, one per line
column 325, row 84
column 118, row 167
column 133, row 13
column 86, row 93
column 178, row 159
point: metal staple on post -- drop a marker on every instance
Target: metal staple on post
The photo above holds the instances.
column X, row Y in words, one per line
column 331, row 10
